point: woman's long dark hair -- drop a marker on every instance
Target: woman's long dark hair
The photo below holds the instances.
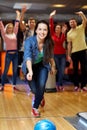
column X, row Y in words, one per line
column 48, row 43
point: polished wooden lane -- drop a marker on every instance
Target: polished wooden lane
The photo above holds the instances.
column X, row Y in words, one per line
column 15, row 108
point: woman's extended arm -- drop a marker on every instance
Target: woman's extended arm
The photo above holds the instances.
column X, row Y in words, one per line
column 53, row 66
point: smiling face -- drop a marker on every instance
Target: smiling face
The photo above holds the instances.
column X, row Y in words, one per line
column 9, row 29
column 73, row 23
column 41, row 31
column 31, row 23
column 58, row 29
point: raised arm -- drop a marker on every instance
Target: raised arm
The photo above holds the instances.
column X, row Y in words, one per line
column 22, row 25
column 17, row 21
column 51, row 21
column 2, row 28
column 53, row 13
column 83, row 17
column 18, row 14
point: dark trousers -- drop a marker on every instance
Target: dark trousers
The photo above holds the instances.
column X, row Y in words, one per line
column 79, row 57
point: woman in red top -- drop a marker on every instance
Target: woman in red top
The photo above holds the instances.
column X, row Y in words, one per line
column 58, row 36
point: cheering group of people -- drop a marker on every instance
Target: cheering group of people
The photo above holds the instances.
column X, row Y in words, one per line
column 44, row 51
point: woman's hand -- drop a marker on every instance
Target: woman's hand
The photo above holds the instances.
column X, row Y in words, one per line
column 24, row 9
column 53, row 70
column 29, row 76
column 64, row 29
column 79, row 13
column 52, row 13
column 18, row 15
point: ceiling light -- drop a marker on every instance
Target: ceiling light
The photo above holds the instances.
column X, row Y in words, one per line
column 84, row 7
column 20, row 5
column 58, row 5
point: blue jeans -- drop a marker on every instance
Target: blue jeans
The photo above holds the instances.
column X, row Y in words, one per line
column 37, row 85
column 60, row 60
column 8, row 59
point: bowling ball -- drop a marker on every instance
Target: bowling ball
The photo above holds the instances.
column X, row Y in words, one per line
column 44, row 125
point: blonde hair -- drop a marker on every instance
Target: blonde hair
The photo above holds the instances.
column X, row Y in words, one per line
column 8, row 25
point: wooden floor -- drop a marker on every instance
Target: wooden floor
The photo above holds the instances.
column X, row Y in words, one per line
column 15, row 108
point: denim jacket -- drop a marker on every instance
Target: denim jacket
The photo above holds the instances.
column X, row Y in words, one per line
column 31, row 52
